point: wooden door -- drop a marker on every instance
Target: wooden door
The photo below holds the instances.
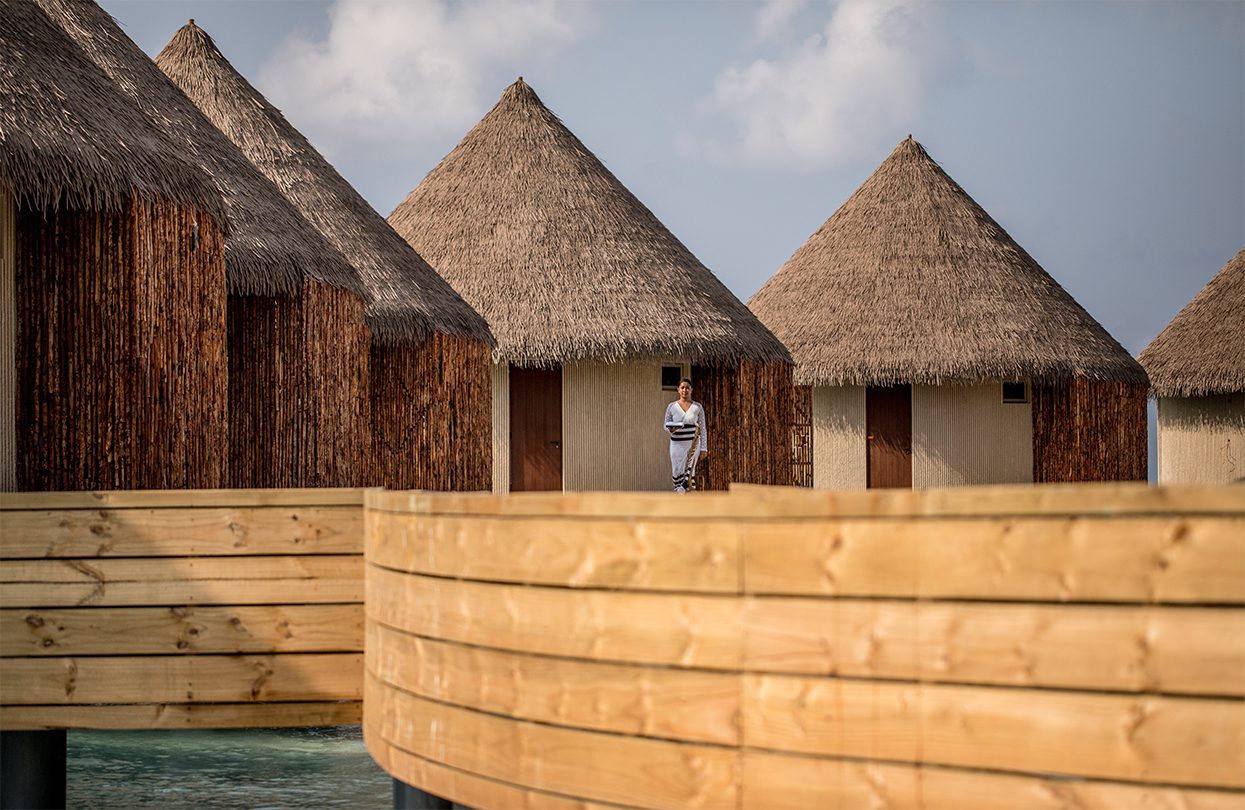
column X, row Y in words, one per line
column 535, row 429
column 888, row 428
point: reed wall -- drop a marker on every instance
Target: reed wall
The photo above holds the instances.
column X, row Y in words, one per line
column 121, row 365
column 802, row 436
column 181, row 609
column 958, row 649
column 298, row 389
column 1087, row 430
column 501, row 427
column 8, row 341
column 1201, row 439
column 432, row 416
column 749, row 411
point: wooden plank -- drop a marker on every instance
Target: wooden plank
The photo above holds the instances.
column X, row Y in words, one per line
column 182, row 679
column 1106, row 499
column 467, row 789
column 1152, row 649
column 1181, row 741
column 600, row 767
column 643, row 701
column 182, row 532
column 786, row 782
column 636, row 553
column 181, row 498
column 182, row 716
column 756, row 501
column 1156, row 559
column 181, row 581
column 687, row 631
column 181, row 630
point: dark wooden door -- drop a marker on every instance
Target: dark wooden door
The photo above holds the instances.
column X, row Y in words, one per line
column 535, row 429
column 888, row 425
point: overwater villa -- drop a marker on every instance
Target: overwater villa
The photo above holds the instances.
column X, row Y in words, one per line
column 940, row 353
column 1197, row 368
column 112, row 304
column 297, row 340
column 598, row 312
column 431, row 352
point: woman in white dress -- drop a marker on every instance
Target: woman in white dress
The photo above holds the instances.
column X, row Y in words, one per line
column 689, row 437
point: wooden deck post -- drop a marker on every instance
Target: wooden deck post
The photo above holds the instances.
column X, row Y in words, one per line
column 32, row 769
column 406, row 797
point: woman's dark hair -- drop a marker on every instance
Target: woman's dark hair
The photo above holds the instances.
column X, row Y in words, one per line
column 687, row 380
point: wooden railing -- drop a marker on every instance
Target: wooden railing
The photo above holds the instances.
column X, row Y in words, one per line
column 1035, row 647
column 181, row 609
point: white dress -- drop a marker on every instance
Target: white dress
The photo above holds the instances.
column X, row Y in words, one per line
column 682, row 426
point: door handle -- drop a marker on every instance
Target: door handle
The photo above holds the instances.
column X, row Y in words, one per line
column 556, row 444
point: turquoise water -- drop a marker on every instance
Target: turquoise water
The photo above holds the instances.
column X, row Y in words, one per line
column 243, row 768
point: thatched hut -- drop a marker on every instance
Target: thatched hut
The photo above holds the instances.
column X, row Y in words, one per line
column 597, row 308
column 113, row 288
column 298, row 342
column 940, row 353
column 1197, row 369
column 430, row 354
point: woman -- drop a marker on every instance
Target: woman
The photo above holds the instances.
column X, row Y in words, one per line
column 689, row 440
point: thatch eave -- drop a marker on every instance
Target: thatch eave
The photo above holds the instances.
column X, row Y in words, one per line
column 1202, row 351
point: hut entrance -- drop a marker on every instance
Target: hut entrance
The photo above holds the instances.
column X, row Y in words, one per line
column 888, row 426
column 535, row 429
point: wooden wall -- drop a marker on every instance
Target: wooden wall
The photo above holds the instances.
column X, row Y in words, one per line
column 121, row 363
column 839, row 445
column 802, row 436
column 1201, row 439
column 177, row 609
column 1086, row 430
column 749, row 410
column 431, row 411
column 1020, row 647
column 8, row 341
column 501, row 427
column 298, row 390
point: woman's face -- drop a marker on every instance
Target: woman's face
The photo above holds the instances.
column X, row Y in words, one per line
column 685, row 390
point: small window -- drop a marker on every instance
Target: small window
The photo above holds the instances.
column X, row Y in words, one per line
column 1015, row 392
column 670, row 376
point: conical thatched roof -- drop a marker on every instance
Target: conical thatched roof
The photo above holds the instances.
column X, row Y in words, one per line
column 911, row 281
column 407, row 299
column 560, row 258
column 270, row 246
column 68, row 136
column 1202, row 351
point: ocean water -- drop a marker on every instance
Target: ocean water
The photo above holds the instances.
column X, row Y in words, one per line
column 228, row 768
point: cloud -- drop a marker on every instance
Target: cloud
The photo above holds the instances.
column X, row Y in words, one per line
column 775, row 17
column 863, row 77
column 401, row 71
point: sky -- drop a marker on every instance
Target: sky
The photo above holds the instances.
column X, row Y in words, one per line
column 1108, row 138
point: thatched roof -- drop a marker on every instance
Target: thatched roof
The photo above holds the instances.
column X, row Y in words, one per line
column 407, row 299
column 270, row 247
column 68, row 137
column 1202, row 351
column 911, row 281
column 560, row 258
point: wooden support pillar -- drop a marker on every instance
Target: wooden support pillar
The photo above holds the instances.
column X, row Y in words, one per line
column 408, row 797
column 32, row 769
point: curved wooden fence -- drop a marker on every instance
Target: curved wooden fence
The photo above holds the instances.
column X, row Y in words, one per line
column 178, row 609
column 1035, row 647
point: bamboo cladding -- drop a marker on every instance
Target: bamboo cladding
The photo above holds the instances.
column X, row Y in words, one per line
column 181, row 609
column 749, row 410
column 802, row 436
column 121, row 361
column 1089, row 430
column 773, row 647
column 431, row 411
column 298, row 377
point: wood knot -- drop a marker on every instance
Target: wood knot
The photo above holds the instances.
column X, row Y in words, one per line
column 34, row 620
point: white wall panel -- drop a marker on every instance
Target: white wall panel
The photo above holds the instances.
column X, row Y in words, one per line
column 501, row 428
column 839, row 437
column 1201, row 440
column 965, row 434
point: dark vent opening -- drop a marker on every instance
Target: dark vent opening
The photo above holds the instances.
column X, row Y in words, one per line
column 1015, row 392
column 670, row 376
